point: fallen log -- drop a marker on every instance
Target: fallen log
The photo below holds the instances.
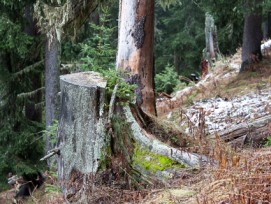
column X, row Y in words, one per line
column 251, row 132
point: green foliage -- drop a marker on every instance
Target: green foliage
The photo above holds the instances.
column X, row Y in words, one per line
column 12, row 38
column 125, row 91
column 229, row 18
column 21, row 143
column 20, row 149
column 52, row 188
column 165, row 4
column 268, row 141
column 167, row 80
column 179, row 37
column 98, row 52
column 51, row 132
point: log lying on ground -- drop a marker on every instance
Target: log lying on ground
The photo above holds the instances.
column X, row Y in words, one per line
column 154, row 145
column 81, row 134
column 252, row 132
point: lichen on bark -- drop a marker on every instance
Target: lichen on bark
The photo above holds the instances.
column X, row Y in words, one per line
column 81, row 133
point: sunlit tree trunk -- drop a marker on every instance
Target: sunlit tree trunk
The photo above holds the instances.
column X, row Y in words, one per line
column 135, row 49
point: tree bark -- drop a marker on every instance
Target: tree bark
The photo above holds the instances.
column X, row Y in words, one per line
column 52, row 64
column 149, row 141
column 81, row 133
column 253, row 132
column 267, row 27
column 252, row 36
column 135, row 49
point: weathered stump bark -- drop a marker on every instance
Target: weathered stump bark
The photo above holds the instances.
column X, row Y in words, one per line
column 81, row 132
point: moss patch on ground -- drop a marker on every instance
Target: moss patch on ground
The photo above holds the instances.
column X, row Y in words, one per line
column 151, row 161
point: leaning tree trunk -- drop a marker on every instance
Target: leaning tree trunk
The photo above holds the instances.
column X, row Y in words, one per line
column 51, row 85
column 81, row 133
column 135, row 49
column 252, row 36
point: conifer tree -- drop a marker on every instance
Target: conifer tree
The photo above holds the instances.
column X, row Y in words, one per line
column 20, row 89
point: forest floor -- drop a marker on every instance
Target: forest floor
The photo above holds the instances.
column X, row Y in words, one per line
column 227, row 98
column 243, row 175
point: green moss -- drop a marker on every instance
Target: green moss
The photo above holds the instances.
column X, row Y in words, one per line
column 153, row 162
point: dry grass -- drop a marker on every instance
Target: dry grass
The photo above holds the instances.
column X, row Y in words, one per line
column 247, row 181
column 239, row 176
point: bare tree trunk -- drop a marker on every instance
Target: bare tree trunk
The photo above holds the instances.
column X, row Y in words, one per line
column 52, row 64
column 252, row 36
column 267, row 27
column 135, row 49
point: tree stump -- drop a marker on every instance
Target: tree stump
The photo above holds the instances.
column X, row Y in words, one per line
column 81, row 134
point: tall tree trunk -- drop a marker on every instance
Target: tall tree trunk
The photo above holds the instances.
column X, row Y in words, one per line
column 252, row 36
column 33, row 113
column 135, row 49
column 267, row 27
column 51, row 84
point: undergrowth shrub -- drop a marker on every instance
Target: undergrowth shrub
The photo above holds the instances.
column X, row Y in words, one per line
column 268, row 141
column 98, row 54
column 167, row 80
column 20, row 150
